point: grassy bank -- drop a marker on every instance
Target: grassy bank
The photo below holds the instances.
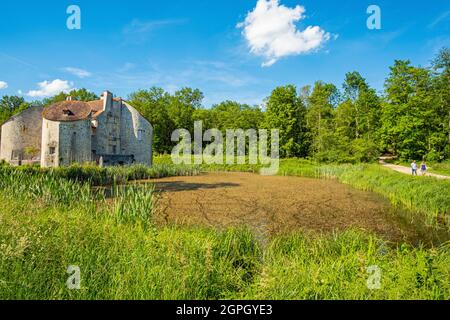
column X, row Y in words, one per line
column 442, row 168
column 49, row 223
column 98, row 176
column 345, row 266
column 127, row 261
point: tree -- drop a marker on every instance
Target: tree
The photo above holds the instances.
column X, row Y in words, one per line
column 408, row 112
column 167, row 112
column 11, row 105
column 320, row 111
column 153, row 105
column 364, row 105
column 233, row 115
column 80, row 95
column 182, row 106
column 286, row 112
column 441, row 89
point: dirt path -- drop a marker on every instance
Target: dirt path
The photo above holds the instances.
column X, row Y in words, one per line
column 270, row 205
column 407, row 170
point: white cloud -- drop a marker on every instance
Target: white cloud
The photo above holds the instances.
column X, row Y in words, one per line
column 80, row 73
column 48, row 89
column 442, row 17
column 271, row 32
column 128, row 66
column 3, row 85
column 138, row 31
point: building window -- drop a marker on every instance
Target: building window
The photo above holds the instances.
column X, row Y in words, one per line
column 140, row 135
column 51, row 150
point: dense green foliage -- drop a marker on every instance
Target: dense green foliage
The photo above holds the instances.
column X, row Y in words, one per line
column 411, row 119
column 80, row 95
column 49, row 223
column 286, row 112
column 11, row 105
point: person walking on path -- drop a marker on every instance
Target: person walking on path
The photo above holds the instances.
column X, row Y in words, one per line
column 423, row 168
column 414, row 168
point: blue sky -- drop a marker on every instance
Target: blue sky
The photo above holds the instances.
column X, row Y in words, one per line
column 128, row 45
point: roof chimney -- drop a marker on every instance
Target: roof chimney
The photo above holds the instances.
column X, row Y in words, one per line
column 107, row 98
column 69, row 98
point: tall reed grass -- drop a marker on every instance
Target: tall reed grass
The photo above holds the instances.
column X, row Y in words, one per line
column 108, row 175
column 343, row 266
column 133, row 204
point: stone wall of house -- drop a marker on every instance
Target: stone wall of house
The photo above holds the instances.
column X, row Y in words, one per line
column 106, row 140
column 21, row 137
column 75, row 142
column 136, row 135
column 50, row 144
column 122, row 131
column 64, row 143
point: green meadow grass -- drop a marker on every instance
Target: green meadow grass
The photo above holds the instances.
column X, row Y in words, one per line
column 49, row 222
column 127, row 261
column 98, row 176
column 342, row 266
column 441, row 168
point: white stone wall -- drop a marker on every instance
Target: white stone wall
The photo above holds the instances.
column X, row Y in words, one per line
column 50, row 140
column 64, row 143
column 22, row 133
column 75, row 142
column 136, row 135
column 119, row 129
column 107, row 135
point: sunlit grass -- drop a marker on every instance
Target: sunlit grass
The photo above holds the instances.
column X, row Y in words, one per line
column 50, row 220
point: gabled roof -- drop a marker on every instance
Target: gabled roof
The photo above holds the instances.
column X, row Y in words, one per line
column 96, row 107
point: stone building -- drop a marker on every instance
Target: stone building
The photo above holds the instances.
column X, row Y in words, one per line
column 20, row 139
column 108, row 132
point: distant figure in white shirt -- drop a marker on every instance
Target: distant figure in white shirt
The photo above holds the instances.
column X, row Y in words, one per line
column 414, row 168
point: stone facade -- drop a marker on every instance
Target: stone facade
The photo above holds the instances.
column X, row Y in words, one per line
column 106, row 132
column 20, row 141
column 64, row 143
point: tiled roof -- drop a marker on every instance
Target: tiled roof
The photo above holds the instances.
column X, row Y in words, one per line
column 67, row 111
column 73, row 110
column 96, row 107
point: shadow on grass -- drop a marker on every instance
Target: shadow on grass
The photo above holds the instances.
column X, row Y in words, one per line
column 178, row 186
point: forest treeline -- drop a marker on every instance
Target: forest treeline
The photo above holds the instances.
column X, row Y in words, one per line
column 409, row 119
